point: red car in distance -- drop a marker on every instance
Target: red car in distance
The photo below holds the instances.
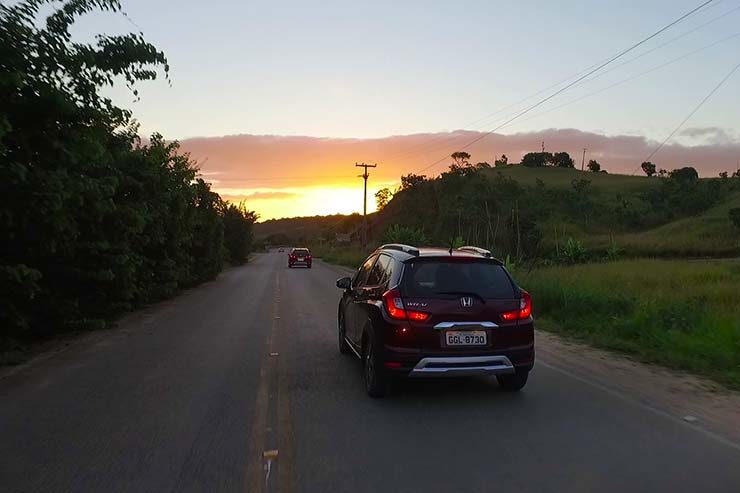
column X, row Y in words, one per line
column 299, row 256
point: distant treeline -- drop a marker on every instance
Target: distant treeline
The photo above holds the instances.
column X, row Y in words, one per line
column 92, row 222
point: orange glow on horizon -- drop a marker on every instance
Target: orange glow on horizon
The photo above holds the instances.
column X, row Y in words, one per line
column 312, row 200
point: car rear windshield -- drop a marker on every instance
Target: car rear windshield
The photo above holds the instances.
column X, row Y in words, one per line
column 441, row 279
column 300, row 251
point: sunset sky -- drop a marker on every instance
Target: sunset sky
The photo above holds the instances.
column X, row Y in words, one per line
column 277, row 100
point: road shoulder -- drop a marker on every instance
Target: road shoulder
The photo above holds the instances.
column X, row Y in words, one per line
column 697, row 402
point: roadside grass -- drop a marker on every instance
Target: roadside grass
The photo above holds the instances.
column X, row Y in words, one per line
column 680, row 314
column 350, row 257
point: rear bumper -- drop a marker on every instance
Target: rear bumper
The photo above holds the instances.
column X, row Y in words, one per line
column 421, row 364
column 462, row 366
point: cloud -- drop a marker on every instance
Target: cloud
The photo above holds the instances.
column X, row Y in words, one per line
column 279, row 162
column 710, row 135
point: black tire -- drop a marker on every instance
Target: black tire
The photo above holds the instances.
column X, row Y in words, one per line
column 343, row 345
column 376, row 380
column 513, row 383
column 309, row 266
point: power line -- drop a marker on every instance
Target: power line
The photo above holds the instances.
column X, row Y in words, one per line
column 412, row 150
column 630, row 78
column 579, row 79
column 698, row 106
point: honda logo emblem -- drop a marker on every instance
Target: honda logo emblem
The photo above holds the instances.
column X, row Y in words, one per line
column 466, row 301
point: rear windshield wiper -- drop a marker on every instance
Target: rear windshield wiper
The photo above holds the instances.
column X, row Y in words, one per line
column 464, row 293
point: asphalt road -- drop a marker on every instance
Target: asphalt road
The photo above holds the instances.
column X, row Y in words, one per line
column 238, row 386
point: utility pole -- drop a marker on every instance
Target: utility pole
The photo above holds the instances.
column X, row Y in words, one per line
column 543, row 147
column 583, row 159
column 365, row 176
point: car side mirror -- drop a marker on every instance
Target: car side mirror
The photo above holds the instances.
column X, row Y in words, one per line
column 344, row 283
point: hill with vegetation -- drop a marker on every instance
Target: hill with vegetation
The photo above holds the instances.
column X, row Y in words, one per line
column 563, row 214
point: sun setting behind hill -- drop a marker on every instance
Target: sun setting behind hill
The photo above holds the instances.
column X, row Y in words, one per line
column 285, row 176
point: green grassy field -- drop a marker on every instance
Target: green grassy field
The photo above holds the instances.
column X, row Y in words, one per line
column 350, row 257
column 680, row 314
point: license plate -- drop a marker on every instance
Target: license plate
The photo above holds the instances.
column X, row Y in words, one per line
column 301, row 259
column 466, row 338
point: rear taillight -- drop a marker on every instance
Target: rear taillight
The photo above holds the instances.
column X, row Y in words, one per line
column 524, row 311
column 396, row 309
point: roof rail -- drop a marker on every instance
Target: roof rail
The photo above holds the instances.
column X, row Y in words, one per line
column 475, row 249
column 401, row 248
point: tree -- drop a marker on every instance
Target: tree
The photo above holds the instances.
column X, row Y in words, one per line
column 662, row 173
column 411, row 180
column 238, row 237
column 382, row 197
column 482, row 165
column 648, row 168
column 503, row 161
column 685, row 174
column 562, row 160
column 537, row 159
column 724, row 175
column 594, row 166
column 461, row 163
column 461, row 158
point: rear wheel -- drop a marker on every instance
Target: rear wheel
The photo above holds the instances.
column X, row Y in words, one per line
column 343, row 345
column 376, row 381
column 513, row 383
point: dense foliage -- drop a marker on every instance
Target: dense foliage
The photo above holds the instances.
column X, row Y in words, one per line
column 91, row 221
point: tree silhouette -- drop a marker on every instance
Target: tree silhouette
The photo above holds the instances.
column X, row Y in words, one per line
column 648, row 168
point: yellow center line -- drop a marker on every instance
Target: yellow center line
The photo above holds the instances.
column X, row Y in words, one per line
column 259, row 460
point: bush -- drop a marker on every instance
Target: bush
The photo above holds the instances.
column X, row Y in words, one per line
column 573, row 252
column 404, row 234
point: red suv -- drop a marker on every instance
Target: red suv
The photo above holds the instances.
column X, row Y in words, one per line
column 299, row 256
column 433, row 312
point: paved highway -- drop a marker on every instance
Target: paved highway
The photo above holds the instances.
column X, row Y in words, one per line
column 237, row 385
